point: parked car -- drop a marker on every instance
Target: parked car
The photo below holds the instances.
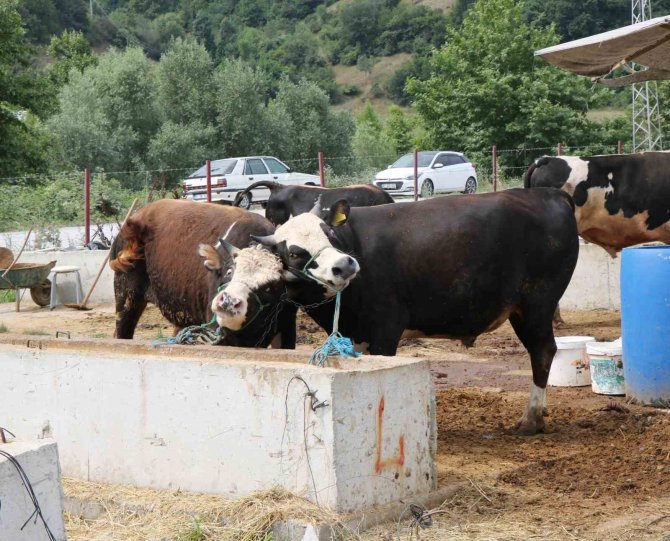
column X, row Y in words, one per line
column 232, row 175
column 438, row 172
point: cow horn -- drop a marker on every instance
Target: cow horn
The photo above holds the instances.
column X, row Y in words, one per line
column 316, row 209
column 268, row 240
column 232, row 250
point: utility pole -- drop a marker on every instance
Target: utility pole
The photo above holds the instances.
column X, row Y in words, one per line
column 646, row 109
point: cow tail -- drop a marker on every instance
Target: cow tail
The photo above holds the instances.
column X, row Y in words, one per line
column 536, row 164
column 128, row 246
column 271, row 185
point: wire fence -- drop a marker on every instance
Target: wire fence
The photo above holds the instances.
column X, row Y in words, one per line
column 54, row 204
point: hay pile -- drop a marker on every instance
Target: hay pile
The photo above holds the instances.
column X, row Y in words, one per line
column 132, row 514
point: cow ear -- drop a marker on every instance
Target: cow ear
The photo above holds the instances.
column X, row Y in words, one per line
column 232, row 250
column 281, row 250
column 339, row 213
column 212, row 257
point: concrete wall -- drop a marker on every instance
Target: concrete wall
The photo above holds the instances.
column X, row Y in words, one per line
column 40, row 462
column 89, row 262
column 225, row 420
column 595, row 282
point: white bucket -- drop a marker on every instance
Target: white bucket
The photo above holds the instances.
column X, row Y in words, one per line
column 570, row 367
column 606, row 362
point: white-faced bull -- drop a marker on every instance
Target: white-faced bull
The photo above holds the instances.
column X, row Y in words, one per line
column 454, row 267
column 251, row 294
column 155, row 259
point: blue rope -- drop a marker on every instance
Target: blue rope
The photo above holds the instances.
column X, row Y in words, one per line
column 335, row 344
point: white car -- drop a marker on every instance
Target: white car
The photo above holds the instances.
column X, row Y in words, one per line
column 438, row 172
column 232, row 175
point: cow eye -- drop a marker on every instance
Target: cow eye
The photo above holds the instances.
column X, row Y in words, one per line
column 268, row 289
column 229, row 272
column 292, row 254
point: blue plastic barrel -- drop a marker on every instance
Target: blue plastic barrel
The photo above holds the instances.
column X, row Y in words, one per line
column 645, row 323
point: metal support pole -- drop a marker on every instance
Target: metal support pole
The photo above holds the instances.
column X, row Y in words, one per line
column 494, row 157
column 209, row 181
column 619, row 147
column 559, row 149
column 416, row 174
column 87, row 207
column 322, row 170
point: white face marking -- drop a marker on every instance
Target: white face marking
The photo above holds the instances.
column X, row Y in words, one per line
column 579, row 171
column 305, row 231
column 610, row 176
column 254, row 269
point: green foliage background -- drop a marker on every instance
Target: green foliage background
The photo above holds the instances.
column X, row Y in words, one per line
column 143, row 91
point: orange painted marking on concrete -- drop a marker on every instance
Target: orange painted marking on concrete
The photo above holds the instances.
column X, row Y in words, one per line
column 399, row 459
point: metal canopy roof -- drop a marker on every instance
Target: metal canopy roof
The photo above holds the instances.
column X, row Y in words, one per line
column 646, row 44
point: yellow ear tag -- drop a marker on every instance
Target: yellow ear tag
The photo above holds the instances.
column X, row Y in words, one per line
column 339, row 219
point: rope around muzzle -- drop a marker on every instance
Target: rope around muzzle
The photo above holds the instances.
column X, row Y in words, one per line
column 204, row 332
column 335, row 344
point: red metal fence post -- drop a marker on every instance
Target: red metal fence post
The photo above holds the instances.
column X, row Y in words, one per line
column 322, row 170
column 494, row 157
column 619, row 147
column 209, row 181
column 87, row 207
column 559, row 149
column 416, row 174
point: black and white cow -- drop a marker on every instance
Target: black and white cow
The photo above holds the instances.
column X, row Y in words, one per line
column 455, row 267
column 620, row 200
column 291, row 200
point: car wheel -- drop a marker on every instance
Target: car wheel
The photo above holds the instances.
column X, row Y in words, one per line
column 245, row 201
column 427, row 189
column 470, row 185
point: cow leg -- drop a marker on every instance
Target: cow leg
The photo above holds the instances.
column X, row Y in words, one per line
column 536, row 334
column 130, row 292
column 558, row 320
column 385, row 333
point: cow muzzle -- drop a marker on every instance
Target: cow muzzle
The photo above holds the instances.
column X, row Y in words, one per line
column 230, row 310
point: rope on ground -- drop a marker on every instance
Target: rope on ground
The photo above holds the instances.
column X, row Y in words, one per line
column 191, row 335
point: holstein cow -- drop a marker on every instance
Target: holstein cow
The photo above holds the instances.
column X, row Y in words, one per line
column 286, row 201
column 155, row 258
column 620, row 200
column 455, row 267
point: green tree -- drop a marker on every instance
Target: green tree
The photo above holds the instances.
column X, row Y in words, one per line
column 485, row 88
column 108, row 113
column 302, row 113
column 71, row 50
column 400, row 130
column 185, row 82
column 240, row 108
column 24, row 97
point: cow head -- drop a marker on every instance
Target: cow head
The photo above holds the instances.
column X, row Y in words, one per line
column 307, row 244
column 246, row 282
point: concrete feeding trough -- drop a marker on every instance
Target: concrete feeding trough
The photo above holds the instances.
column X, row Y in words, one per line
column 39, row 461
column 226, row 420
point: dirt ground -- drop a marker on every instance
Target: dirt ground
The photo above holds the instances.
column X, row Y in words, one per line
column 601, row 470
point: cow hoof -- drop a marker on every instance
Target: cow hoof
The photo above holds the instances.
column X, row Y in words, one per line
column 527, row 427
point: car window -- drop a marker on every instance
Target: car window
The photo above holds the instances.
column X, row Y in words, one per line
column 255, row 166
column 275, row 166
column 443, row 159
column 219, row 167
column 407, row 160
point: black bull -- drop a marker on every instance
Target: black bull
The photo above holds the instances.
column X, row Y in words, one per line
column 455, row 267
column 286, row 201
